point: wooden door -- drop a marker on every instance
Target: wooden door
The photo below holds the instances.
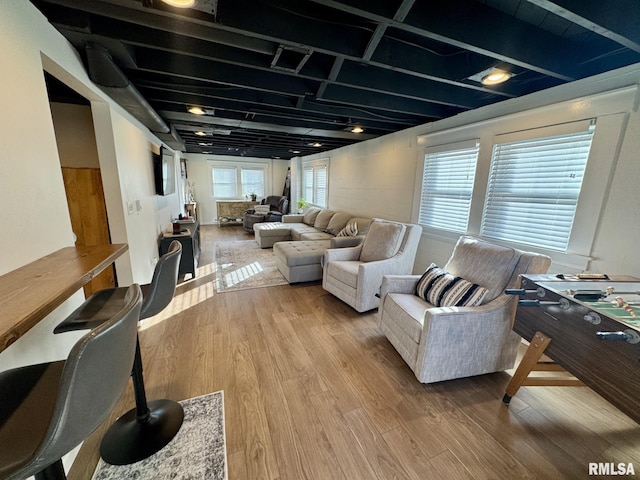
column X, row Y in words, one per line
column 85, row 198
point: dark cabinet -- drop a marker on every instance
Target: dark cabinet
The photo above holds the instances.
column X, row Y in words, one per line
column 190, row 241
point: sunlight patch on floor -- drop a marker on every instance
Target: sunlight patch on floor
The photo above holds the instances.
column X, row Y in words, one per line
column 241, row 274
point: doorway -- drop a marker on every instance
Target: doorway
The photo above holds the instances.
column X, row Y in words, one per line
column 76, row 142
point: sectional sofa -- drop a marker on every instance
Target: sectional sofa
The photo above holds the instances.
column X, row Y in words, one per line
column 299, row 241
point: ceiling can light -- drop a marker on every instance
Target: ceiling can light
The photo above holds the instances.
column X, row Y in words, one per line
column 495, row 77
column 200, row 133
column 180, row 3
column 357, row 129
column 196, row 110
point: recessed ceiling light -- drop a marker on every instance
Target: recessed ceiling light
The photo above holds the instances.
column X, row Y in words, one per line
column 357, row 129
column 492, row 76
column 205, row 144
column 495, row 77
column 180, row 3
column 196, row 110
column 295, row 151
column 315, row 144
column 200, row 133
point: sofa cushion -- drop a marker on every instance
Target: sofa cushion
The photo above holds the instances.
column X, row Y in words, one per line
column 484, row 263
column 338, row 222
column 310, row 215
column 383, row 241
column 323, row 219
column 349, row 230
column 308, row 236
column 442, row 289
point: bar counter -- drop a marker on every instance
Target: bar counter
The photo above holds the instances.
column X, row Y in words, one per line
column 31, row 292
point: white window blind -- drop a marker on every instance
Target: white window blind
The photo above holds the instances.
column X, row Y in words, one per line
column 253, row 181
column 447, row 186
column 224, row 182
column 315, row 184
column 533, row 189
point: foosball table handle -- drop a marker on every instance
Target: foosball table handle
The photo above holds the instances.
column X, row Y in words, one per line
column 630, row 336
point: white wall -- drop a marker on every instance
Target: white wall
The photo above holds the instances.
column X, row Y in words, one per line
column 30, row 170
column 199, row 171
column 382, row 177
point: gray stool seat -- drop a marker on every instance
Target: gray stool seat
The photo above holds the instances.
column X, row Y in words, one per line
column 50, row 408
column 300, row 261
column 150, row 426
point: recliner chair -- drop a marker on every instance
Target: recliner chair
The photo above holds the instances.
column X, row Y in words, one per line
column 142, row 431
column 278, row 206
column 50, row 408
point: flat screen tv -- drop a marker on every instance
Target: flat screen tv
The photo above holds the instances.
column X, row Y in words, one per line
column 164, row 172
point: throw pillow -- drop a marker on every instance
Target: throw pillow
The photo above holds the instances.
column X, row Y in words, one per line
column 442, row 289
column 338, row 222
column 310, row 216
column 322, row 220
column 383, row 241
column 350, row 230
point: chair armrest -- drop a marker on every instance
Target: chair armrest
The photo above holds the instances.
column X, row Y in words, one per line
column 398, row 284
column 292, row 218
column 342, row 254
column 342, row 242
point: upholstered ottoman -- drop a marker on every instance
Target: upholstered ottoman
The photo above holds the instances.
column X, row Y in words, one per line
column 300, row 261
column 266, row 234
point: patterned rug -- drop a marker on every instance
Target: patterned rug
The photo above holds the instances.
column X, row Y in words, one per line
column 242, row 264
column 197, row 452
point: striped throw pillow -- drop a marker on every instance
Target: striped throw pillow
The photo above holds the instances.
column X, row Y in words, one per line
column 350, row 230
column 442, row 289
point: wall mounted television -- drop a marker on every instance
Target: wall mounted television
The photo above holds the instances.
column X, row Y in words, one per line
column 164, row 172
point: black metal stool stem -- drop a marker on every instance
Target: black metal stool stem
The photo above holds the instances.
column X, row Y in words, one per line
column 142, row 409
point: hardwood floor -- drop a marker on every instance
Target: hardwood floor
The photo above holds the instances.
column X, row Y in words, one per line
column 313, row 391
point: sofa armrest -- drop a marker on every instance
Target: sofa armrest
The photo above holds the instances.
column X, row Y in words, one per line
column 292, row 218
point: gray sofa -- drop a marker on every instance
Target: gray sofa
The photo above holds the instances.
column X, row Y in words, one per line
column 299, row 241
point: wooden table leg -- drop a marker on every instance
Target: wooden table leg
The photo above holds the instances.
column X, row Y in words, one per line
column 538, row 345
column 531, row 362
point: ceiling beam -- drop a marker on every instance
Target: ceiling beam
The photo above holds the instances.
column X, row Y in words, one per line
column 510, row 39
column 619, row 21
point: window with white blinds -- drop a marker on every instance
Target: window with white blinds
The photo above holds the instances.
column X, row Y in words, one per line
column 315, row 184
column 533, row 189
column 224, row 182
column 447, row 186
column 253, row 181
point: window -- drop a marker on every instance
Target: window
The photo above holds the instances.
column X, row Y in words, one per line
column 447, row 186
column 253, row 181
column 235, row 182
column 224, row 182
column 533, row 189
column 315, row 184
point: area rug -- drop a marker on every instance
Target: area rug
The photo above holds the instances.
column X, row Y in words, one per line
column 242, row 264
column 197, row 452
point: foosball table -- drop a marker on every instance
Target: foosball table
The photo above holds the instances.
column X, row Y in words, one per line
column 589, row 328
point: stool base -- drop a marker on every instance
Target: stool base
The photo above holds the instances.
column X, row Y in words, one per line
column 129, row 440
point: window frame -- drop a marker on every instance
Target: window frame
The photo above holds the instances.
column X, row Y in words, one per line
column 315, row 167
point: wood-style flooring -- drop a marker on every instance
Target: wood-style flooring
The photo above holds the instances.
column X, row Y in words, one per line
column 313, row 391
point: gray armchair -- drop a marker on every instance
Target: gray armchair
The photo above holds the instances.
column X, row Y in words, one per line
column 278, row 206
column 443, row 343
column 354, row 274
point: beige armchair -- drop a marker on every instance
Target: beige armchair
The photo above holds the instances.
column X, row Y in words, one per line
column 354, row 274
column 443, row 343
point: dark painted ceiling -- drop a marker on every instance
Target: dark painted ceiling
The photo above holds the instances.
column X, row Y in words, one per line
column 276, row 77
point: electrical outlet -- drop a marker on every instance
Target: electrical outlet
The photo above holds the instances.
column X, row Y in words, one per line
column 130, row 208
column 138, row 206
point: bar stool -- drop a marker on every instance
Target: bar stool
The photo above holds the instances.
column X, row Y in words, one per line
column 49, row 408
column 150, row 426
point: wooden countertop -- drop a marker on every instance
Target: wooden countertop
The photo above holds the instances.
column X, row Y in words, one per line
column 33, row 291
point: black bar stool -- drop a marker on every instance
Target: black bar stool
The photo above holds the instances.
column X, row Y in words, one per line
column 49, row 408
column 150, row 426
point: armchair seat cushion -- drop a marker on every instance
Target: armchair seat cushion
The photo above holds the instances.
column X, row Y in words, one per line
column 345, row 272
column 408, row 312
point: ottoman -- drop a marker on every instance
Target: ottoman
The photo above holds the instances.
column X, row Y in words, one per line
column 266, row 234
column 300, row 261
